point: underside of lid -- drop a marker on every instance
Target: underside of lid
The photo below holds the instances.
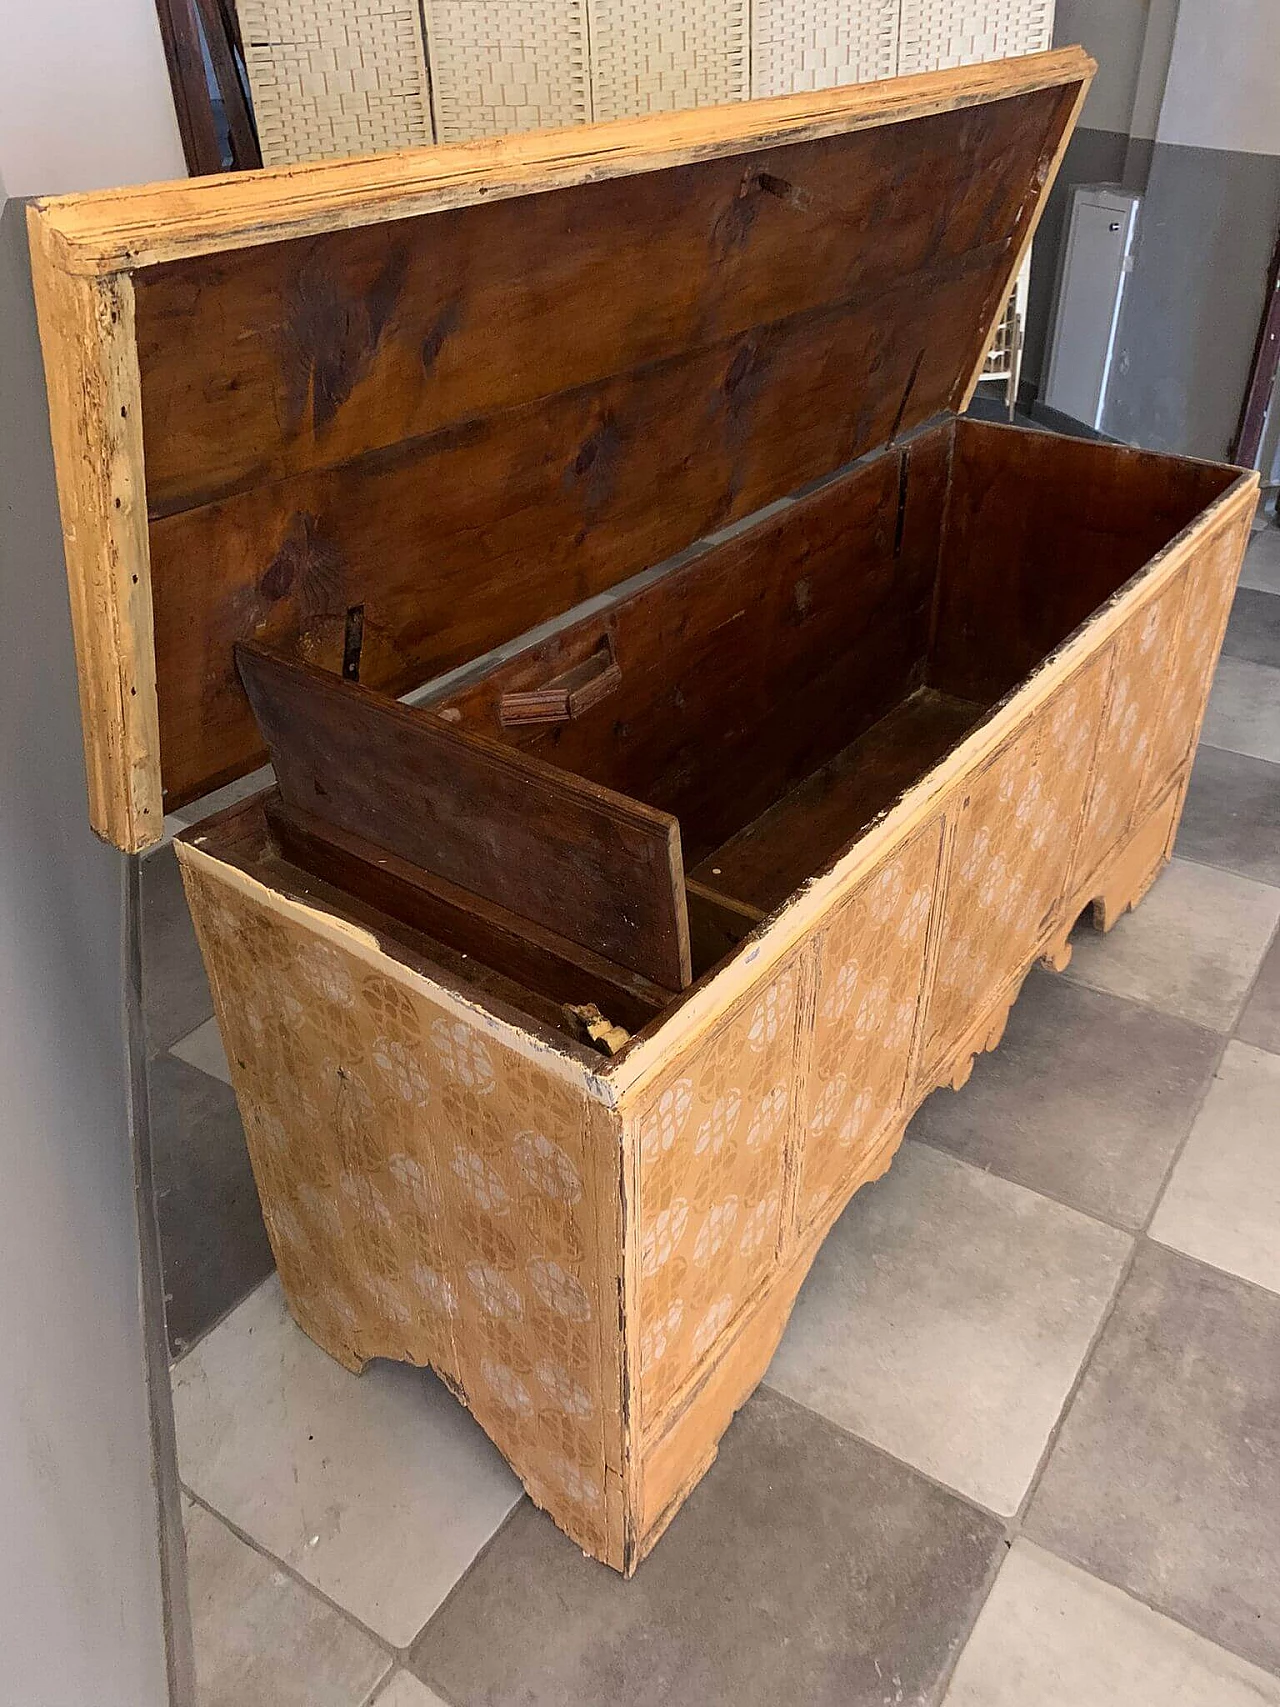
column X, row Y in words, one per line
column 466, row 388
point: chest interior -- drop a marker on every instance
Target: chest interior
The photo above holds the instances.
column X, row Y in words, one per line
column 650, row 491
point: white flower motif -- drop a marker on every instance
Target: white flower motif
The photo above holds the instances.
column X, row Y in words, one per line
column 712, row 1324
column 463, row 1055
column 366, row 1199
column 662, row 1236
column 574, row 1481
column 827, row 1105
column 559, row 1290
column 658, row 1335
column 436, row 1288
column 769, row 1118
column 410, row 1174
column 772, row 1012
column 914, row 916
column 665, row 1121
column 546, row 1167
column 481, row 1183
column 389, row 1300
column 715, row 1230
column 507, row 1386
column 566, row 1394
column 976, row 856
column 718, row 1127
column 855, row 1118
column 884, row 892
column 841, row 993
column 327, row 973
column 759, row 1226
column 400, row 1067
column 497, row 1295
column 872, row 1009
column 898, row 1025
column 320, row 1210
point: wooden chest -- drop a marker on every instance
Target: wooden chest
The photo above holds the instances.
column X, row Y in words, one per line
column 567, row 1006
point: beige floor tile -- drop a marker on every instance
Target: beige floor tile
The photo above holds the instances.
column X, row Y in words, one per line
column 261, row 1639
column 404, row 1690
column 1191, row 947
column 379, row 1489
column 202, row 1048
column 945, row 1319
column 1051, row 1635
column 1222, row 1203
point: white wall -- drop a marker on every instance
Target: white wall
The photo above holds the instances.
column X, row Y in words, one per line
column 84, row 97
column 84, row 101
column 1223, row 89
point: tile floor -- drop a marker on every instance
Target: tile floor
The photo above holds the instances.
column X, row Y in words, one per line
column 1019, row 1448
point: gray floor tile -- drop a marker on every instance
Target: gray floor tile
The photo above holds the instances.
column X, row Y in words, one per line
column 379, row 1489
column 1260, row 1021
column 1244, row 709
column 1254, row 629
column 1086, row 1099
column 213, row 1245
column 261, row 1639
column 175, row 991
column 1165, row 1478
column 1262, row 560
column 404, row 1690
column 1191, row 948
column 1222, row 1203
column 806, row 1568
column 1050, row 1635
column 1232, row 814
column 945, row 1319
column 202, row 1048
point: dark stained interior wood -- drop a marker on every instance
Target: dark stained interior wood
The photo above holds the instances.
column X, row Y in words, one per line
column 810, row 826
column 470, row 421
column 1040, row 531
column 241, row 837
column 563, row 852
column 751, row 665
column 774, row 694
column 537, row 959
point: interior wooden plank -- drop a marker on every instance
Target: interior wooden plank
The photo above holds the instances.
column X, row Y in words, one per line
column 1040, row 531
column 748, row 667
column 242, row 838
column 369, row 338
column 536, row 958
column 579, row 859
column 826, row 813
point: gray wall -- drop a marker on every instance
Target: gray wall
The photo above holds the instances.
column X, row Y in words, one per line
column 1186, row 108
column 86, row 1545
column 81, row 1608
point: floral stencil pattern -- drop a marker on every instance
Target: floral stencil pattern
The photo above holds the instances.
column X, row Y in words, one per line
column 424, row 1187
column 712, row 1143
column 870, row 968
column 1014, row 841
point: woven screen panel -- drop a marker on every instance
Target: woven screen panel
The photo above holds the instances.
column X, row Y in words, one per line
column 654, row 56
column 935, row 34
column 821, row 44
column 335, row 77
column 506, row 65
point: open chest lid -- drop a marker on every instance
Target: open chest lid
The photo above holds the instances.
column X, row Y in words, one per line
column 467, row 387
